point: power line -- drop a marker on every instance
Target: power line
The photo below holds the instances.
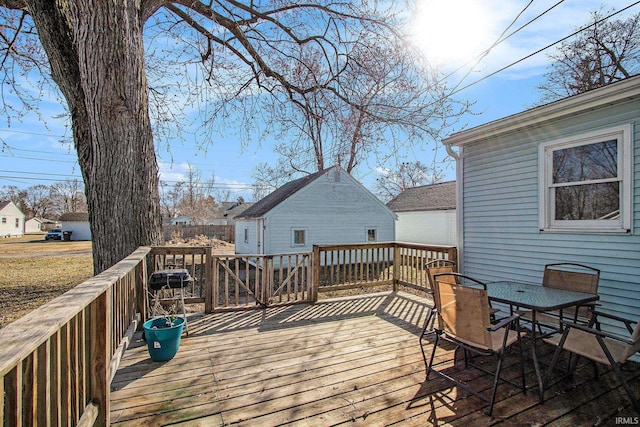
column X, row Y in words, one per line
column 33, row 133
column 542, row 49
column 41, row 173
column 38, row 158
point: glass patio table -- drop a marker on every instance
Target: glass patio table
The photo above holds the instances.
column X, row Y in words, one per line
column 536, row 298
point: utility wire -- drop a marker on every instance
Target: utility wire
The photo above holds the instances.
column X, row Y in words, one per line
column 542, row 49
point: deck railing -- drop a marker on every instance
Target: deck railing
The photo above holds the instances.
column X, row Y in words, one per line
column 410, row 268
column 247, row 281
column 340, row 267
column 57, row 362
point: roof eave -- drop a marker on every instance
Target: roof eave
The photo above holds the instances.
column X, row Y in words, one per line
column 625, row 90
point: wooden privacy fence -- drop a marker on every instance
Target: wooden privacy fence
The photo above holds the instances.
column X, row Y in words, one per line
column 226, row 233
column 57, row 362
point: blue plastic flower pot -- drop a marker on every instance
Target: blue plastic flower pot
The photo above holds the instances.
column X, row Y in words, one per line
column 163, row 341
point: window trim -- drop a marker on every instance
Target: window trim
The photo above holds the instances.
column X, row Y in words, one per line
column 293, row 237
column 366, row 233
column 623, row 134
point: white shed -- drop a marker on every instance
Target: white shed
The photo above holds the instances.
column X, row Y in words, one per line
column 327, row 207
column 78, row 224
column 11, row 220
column 426, row 214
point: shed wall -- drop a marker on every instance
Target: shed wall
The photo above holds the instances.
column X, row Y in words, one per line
column 427, row 227
column 331, row 212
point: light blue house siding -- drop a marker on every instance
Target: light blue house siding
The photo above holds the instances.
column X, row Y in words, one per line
column 498, row 178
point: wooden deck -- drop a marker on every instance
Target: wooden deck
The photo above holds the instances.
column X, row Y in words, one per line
column 352, row 361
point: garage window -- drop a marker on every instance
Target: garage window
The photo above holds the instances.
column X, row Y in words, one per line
column 299, row 237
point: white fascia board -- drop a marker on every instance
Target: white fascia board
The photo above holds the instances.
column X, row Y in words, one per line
column 622, row 91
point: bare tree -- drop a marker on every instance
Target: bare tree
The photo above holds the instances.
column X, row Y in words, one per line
column 68, row 196
column 197, row 201
column 408, row 175
column 228, row 53
column 39, row 200
column 606, row 51
column 16, row 195
column 391, row 99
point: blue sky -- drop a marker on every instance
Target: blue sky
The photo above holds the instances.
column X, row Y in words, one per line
column 450, row 32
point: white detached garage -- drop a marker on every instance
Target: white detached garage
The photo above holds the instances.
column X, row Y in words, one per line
column 77, row 223
column 327, row 207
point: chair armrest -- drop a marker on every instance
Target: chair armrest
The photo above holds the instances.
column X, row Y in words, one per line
column 504, row 322
column 596, row 332
column 628, row 323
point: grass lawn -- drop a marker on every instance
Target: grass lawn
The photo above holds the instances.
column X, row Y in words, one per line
column 35, row 271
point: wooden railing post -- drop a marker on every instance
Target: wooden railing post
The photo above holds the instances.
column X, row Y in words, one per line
column 315, row 278
column 100, row 323
column 141, row 290
column 396, row 267
column 209, row 282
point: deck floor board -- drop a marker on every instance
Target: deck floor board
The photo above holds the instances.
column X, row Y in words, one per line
column 351, row 361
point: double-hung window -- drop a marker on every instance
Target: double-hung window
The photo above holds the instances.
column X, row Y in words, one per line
column 585, row 182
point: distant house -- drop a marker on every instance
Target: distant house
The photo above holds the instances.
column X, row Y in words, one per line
column 426, row 214
column 181, row 220
column 556, row 183
column 34, row 225
column 229, row 210
column 327, row 207
column 223, row 215
column 11, row 220
column 78, row 224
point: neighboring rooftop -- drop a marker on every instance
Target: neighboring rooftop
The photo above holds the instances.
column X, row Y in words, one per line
column 74, row 216
column 441, row 196
column 281, row 194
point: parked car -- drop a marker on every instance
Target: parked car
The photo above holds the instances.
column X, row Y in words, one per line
column 54, row 234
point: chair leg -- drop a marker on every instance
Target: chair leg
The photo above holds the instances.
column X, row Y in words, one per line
column 495, row 384
column 522, row 375
column 625, row 385
column 433, row 354
column 428, row 323
column 552, row 365
column 618, row 372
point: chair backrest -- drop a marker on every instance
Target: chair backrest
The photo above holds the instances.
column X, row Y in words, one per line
column 463, row 312
column 439, row 266
column 573, row 277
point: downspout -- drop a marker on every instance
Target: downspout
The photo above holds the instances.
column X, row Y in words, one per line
column 451, row 152
column 459, row 205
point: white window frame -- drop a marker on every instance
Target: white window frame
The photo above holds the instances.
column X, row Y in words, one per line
column 293, row 237
column 246, row 234
column 623, row 134
column 375, row 229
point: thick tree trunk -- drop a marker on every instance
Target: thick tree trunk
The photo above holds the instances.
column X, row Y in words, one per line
column 101, row 74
